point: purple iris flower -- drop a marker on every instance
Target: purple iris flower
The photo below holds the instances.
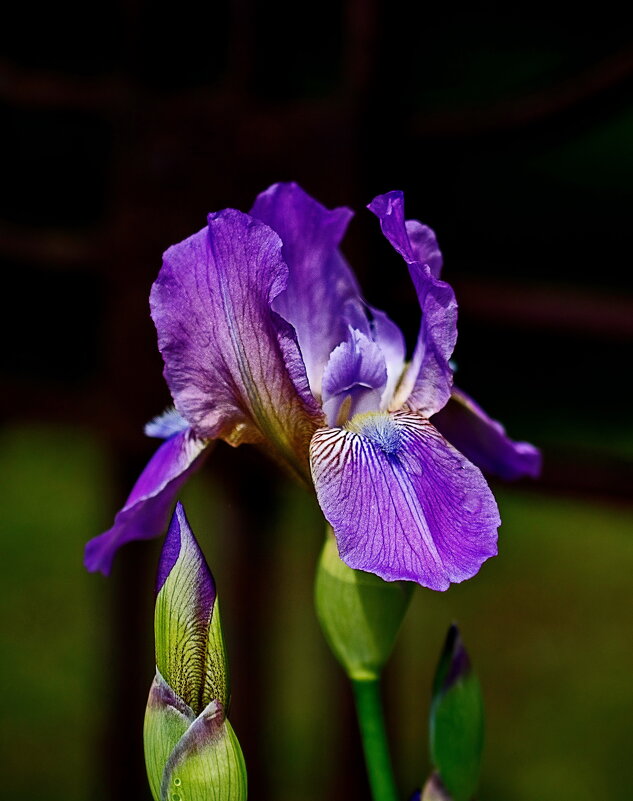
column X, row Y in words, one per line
column 267, row 340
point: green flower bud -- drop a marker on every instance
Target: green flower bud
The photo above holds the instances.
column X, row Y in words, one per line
column 191, row 751
column 456, row 721
column 360, row 614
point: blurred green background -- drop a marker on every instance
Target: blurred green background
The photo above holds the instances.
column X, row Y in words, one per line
column 511, row 135
column 547, row 624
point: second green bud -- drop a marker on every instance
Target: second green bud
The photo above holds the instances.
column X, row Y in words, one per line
column 360, row 614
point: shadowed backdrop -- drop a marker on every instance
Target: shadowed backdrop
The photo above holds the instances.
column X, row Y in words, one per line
column 511, row 136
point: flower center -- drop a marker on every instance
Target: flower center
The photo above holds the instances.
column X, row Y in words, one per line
column 378, row 427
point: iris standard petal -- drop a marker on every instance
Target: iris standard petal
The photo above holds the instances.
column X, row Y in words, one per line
column 355, row 370
column 403, row 503
column 146, row 510
column 484, row 440
column 320, row 283
column 390, row 340
column 426, row 385
column 232, row 364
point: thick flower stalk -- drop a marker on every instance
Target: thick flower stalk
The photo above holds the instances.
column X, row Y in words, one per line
column 267, row 340
column 360, row 615
column 191, row 751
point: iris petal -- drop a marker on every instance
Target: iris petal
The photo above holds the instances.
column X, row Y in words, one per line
column 146, row 510
column 320, row 283
column 356, row 369
column 426, row 385
column 390, row 340
column 403, row 503
column 167, row 424
column 484, row 440
column 232, row 364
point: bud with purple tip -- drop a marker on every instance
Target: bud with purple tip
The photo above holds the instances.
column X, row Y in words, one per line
column 456, row 725
column 191, row 751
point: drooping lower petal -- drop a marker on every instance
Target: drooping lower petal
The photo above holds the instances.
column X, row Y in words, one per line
column 403, row 503
column 320, row 283
column 146, row 510
column 232, row 364
column 356, row 371
column 426, row 385
column 484, row 440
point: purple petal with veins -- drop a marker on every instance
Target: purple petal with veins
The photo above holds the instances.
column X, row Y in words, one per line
column 403, row 503
column 232, row 364
column 426, row 385
column 421, row 245
column 146, row 510
column 484, row 440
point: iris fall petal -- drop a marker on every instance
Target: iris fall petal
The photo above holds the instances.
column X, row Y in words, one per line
column 403, row 503
column 146, row 510
column 484, row 440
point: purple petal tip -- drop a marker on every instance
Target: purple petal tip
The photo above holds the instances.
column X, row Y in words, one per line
column 180, row 536
column 454, row 663
column 383, row 205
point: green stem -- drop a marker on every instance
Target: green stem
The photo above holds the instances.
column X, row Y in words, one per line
column 372, row 730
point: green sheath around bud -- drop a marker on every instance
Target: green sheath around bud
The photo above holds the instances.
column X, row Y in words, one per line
column 191, row 751
column 360, row 614
column 456, row 721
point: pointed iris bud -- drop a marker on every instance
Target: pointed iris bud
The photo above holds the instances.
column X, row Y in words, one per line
column 456, row 723
column 360, row 614
column 191, row 751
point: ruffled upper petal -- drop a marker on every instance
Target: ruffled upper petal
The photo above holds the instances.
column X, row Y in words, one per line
column 320, row 283
column 403, row 503
column 146, row 510
column 484, row 440
column 232, row 364
column 426, row 385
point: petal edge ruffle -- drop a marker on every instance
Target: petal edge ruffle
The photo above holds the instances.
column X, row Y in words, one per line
column 426, row 384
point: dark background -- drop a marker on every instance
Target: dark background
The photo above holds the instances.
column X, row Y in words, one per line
column 122, row 126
